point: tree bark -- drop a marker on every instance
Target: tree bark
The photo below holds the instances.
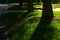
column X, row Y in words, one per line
column 47, row 13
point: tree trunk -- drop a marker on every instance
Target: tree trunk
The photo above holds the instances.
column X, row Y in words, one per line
column 38, row 2
column 20, row 3
column 30, row 5
column 44, row 31
column 47, row 13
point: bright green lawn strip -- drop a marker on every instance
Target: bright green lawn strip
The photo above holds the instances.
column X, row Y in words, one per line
column 56, row 13
column 38, row 6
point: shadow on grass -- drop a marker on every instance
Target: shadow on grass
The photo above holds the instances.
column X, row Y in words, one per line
column 15, row 23
column 44, row 30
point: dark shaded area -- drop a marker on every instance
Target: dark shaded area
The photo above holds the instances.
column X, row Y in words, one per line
column 55, row 1
column 20, row 3
column 3, row 26
column 17, row 1
column 20, row 29
column 10, row 19
column 44, row 30
column 3, row 2
column 17, row 7
column 24, row 9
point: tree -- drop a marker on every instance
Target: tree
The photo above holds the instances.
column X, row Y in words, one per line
column 47, row 13
column 20, row 3
column 30, row 5
column 44, row 30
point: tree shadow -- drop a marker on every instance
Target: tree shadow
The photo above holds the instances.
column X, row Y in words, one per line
column 19, row 29
column 14, row 18
column 44, row 30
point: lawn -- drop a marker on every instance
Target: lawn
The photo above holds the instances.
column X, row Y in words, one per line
column 22, row 25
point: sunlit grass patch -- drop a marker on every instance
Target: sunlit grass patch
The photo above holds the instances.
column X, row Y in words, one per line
column 38, row 6
column 56, row 13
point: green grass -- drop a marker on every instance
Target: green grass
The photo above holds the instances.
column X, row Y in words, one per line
column 38, row 6
column 56, row 13
column 22, row 24
column 56, row 24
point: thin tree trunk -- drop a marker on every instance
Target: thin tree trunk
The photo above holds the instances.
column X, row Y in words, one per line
column 30, row 5
column 20, row 3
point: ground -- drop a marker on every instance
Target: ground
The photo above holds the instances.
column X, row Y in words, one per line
column 22, row 24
